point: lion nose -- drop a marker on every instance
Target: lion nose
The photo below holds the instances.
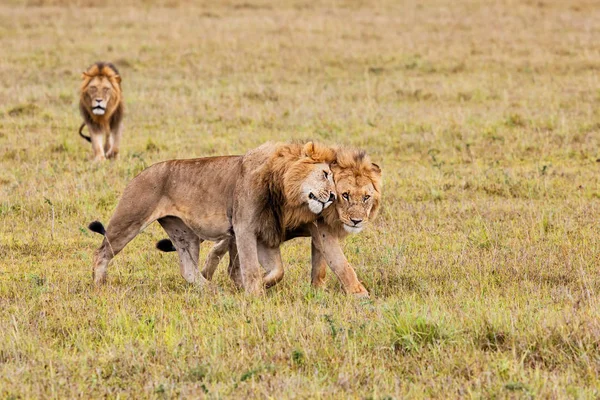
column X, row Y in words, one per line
column 331, row 196
column 98, row 100
column 356, row 221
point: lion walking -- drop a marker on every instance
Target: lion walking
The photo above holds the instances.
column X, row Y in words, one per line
column 256, row 197
column 101, row 106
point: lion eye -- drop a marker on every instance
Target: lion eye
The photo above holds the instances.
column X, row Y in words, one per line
column 367, row 197
column 346, row 196
column 105, row 90
column 325, row 174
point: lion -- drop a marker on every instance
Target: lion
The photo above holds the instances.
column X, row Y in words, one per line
column 101, row 106
column 257, row 197
column 358, row 185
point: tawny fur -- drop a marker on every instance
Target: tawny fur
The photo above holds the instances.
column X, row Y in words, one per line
column 102, row 82
column 200, row 199
column 354, row 174
column 280, row 183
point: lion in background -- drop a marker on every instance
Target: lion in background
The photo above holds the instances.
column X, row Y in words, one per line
column 257, row 196
column 358, row 186
column 101, row 106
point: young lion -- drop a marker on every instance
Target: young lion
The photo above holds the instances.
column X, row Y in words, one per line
column 279, row 186
column 101, row 106
column 358, row 185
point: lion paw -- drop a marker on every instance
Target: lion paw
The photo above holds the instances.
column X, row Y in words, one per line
column 363, row 295
column 360, row 292
column 318, row 283
column 99, row 278
column 255, row 290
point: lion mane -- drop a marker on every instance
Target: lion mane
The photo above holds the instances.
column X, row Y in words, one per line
column 353, row 172
column 355, row 169
column 267, row 189
column 109, row 122
column 281, row 183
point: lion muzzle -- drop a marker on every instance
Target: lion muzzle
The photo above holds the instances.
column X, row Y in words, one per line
column 317, row 205
column 99, row 108
column 354, row 226
column 353, row 229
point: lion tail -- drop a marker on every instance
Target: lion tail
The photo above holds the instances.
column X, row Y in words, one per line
column 165, row 245
column 97, row 227
column 89, row 139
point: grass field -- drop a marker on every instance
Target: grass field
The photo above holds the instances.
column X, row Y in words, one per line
column 483, row 266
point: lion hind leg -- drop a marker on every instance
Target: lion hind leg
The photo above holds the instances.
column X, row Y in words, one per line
column 187, row 244
column 134, row 212
column 102, row 257
column 214, row 257
column 116, row 237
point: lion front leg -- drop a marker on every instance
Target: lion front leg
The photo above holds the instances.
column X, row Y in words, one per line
column 270, row 259
column 97, row 139
column 113, row 143
column 328, row 244
column 247, row 247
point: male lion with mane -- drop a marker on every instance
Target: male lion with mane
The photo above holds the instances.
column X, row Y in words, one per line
column 257, row 196
column 101, row 106
column 358, row 186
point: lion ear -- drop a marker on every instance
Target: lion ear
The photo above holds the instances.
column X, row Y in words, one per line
column 375, row 168
column 84, row 75
column 309, row 149
column 117, row 78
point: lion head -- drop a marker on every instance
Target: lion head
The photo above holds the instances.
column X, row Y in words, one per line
column 101, row 90
column 358, row 186
column 307, row 180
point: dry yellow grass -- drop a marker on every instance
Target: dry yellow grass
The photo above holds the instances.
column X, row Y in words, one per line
column 483, row 266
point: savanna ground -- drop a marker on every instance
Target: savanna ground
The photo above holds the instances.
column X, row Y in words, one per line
column 483, row 265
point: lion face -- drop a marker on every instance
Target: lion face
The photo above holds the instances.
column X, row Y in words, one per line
column 100, row 90
column 358, row 187
column 308, row 180
column 99, row 94
column 356, row 199
column 318, row 188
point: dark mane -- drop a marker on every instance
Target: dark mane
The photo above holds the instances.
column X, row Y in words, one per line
column 102, row 64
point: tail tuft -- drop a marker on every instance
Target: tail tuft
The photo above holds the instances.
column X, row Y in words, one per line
column 97, row 227
column 165, row 245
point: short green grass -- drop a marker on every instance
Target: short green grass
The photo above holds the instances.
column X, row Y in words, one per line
column 483, row 265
